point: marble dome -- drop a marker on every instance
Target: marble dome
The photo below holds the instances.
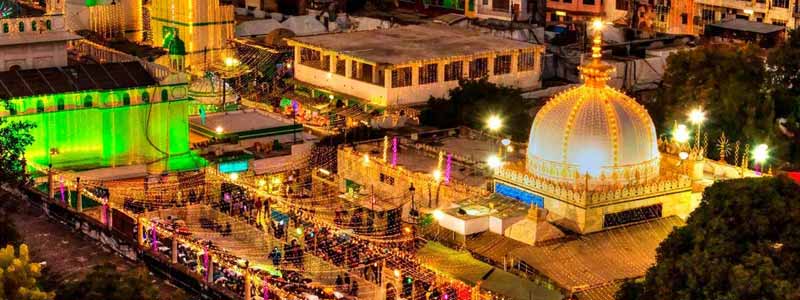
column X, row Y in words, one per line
column 596, row 130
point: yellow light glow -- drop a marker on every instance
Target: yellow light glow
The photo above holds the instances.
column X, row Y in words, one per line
column 262, row 182
column 366, row 158
column 561, row 13
column 299, row 231
column 681, row 134
column 234, row 176
column 219, row 129
column 597, row 24
column 761, row 153
column 330, row 97
column 397, row 273
column 231, row 62
column 407, row 229
column 749, row 12
column 276, row 181
column 324, row 172
column 697, row 116
column 438, row 214
column 683, row 155
column 494, row 123
column 437, row 175
column 494, row 162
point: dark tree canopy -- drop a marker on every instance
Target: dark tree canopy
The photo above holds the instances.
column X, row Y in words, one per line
column 14, row 137
column 742, row 242
column 106, row 283
column 473, row 101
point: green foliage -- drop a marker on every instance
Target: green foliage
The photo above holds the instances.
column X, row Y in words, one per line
column 14, row 137
column 18, row 276
column 742, row 242
column 742, row 96
column 106, row 283
column 473, row 101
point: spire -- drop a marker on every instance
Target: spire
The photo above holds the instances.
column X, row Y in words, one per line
column 596, row 73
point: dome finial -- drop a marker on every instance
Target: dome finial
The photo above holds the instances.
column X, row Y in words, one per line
column 596, row 73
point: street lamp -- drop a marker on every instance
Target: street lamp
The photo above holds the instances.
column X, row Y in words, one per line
column 437, row 175
column 219, row 129
column 494, row 162
column 697, row 116
column 760, row 155
column 494, row 123
column 681, row 134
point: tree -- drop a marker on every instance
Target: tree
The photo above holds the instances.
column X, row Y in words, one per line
column 14, row 138
column 8, row 231
column 742, row 242
column 473, row 101
column 783, row 65
column 106, row 283
column 18, row 276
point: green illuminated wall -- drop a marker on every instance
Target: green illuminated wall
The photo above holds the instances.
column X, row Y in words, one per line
column 114, row 131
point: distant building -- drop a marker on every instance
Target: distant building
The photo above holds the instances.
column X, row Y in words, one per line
column 407, row 65
column 775, row 12
column 204, row 25
column 34, row 42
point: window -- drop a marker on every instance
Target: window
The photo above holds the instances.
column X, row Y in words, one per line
column 485, row 2
column 526, row 61
column 684, row 18
column 145, row 97
column 622, row 4
column 453, row 71
column 428, row 73
column 588, row 2
column 780, row 3
column 126, row 99
column 708, row 15
column 567, row 1
column 632, row 215
column 311, row 58
column 60, row 103
column 478, row 67
column 500, row 5
column 33, row 26
column 502, row 64
column 21, row 27
column 387, row 179
column 365, row 71
column 341, row 66
column 401, row 77
column 779, row 22
column 39, row 106
column 5, row 28
column 87, row 101
column 48, row 24
column 165, row 95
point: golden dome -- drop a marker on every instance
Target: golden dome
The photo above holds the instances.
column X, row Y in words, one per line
column 593, row 129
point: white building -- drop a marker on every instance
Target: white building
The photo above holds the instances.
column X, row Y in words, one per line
column 407, row 65
column 34, row 42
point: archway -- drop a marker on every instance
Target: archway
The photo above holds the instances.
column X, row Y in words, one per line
column 391, row 292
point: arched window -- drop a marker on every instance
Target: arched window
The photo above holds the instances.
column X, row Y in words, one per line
column 145, row 97
column 87, row 101
column 164, row 95
column 33, row 25
column 126, row 99
column 12, row 109
column 5, row 27
column 60, row 104
column 39, row 106
column 21, row 26
column 48, row 24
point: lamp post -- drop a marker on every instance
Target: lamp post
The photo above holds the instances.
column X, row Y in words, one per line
column 697, row 116
column 760, row 155
column 494, row 123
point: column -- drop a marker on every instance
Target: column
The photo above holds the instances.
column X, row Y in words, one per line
column 50, row 190
column 415, row 75
column 174, row 249
column 374, row 73
column 440, row 71
column 490, row 65
column 465, row 68
column 297, row 56
column 210, row 271
column 247, row 284
column 79, row 201
column 348, row 68
column 331, row 62
column 387, row 78
column 139, row 232
column 514, row 61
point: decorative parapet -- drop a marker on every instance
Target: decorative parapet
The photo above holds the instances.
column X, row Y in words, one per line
column 105, row 54
column 577, row 193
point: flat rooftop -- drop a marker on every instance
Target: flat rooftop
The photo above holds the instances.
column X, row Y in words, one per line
column 240, row 121
column 415, row 43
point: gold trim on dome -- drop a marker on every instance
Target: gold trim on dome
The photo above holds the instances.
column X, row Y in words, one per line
column 568, row 126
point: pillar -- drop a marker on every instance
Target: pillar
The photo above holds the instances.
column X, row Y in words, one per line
column 210, row 271
column 51, row 192
column 247, row 283
column 415, row 75
column 490, row 65
column 374, row 74
column 140, row 232
column 331, row 62
column 348, row 68
column 514, row 62
column 174, row 249
column 387, row 76
column 465, row 68
column 79, row 200
column 440, row 71
column 297, row 55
